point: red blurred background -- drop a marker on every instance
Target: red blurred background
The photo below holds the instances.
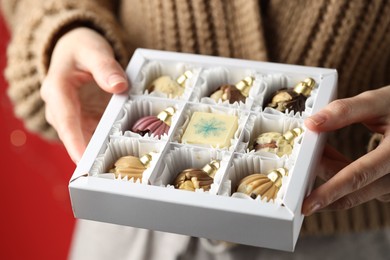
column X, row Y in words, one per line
column 37, row 220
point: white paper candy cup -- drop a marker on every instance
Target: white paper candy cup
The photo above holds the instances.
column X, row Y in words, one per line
column 212, row 78
column 138, row 108
column 260, row 123
column 247, row 164
column 155, row 69
column 123, row 146
column 180, row 158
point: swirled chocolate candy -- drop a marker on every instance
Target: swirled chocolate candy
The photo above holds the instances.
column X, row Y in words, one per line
column 173, row 88
column 233, row 93
column 157, row 125
column 292, row 99
column 277, row 143
column 264, row 185
column 194, row 178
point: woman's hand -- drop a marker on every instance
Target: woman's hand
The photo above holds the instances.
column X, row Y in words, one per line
column 351, row 183
column 83, row 74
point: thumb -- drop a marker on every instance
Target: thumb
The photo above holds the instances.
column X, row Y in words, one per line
column 362, row 108
column 337, row 114
column 98, row 59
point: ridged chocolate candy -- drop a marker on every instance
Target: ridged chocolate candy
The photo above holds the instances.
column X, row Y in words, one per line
column 131, row 166
column 157, row 125
column 264, row 185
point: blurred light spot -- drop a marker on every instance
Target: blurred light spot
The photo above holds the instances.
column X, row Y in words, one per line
column 18, row 138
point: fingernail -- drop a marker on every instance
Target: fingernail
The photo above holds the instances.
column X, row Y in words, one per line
column 115, row 80
column 313, row 209
column 317, row 119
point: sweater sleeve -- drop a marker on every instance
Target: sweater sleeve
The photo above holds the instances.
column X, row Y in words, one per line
column 35, row 27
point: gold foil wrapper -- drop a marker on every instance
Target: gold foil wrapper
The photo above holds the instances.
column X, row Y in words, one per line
column 245, row 85
column 166, row 115
column 181, row 80
column 305, row 87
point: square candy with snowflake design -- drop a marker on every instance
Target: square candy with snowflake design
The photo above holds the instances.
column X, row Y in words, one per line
column 215, row 130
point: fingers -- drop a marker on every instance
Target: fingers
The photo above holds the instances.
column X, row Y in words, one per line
column 89, row 52
column 63, row 113
column 105, row 70
column 355, row 177
column 348, row 183
column 72, row 137
column 343, row 112
column 378, row 189
column 97, row 57
column 80, row 57
column 331, row 163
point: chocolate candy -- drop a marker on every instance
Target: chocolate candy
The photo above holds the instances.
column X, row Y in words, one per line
column 131, row 166
column 215, row 130
column 173, row 88
column 264, row 185
column 157, row 125
column 233, row 93
column 194, row 178
column 277, row 143
column 292, row 99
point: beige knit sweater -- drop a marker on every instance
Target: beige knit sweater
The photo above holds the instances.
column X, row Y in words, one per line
column 351, row 36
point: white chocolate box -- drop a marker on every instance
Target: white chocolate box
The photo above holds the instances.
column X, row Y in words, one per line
column 153, row 203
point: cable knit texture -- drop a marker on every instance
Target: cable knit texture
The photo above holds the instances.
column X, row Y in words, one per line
column 350, row 36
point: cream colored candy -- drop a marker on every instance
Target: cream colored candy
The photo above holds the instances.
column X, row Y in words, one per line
column 167, row 85
column 265, row 185
column 132, row 166
column 277, row 143
column 211, row 129
column 173, row 88
column 273, row 142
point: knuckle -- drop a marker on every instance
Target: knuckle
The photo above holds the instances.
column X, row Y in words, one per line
column 341, row 107
column 50, row 84
column 345, row 203
column 364, row 172
column 360, row 179
column 106, row 63
column 367, row 96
